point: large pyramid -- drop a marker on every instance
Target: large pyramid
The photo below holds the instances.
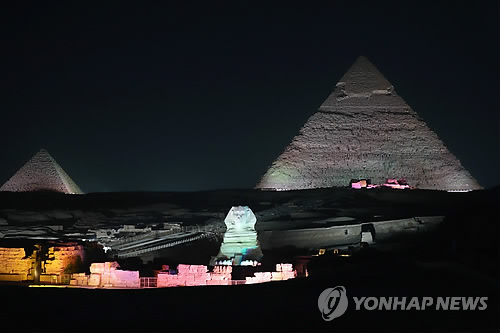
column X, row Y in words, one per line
column 41, row 173
column 365, row 130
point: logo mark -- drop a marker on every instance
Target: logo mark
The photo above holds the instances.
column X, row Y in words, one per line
column 332, row 303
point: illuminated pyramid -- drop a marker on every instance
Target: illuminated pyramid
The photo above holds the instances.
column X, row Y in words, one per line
column 365, row 130
column 41, row 173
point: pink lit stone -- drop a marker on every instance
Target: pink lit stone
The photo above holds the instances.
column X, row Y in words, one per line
column 94, row 279
column 111, row 276
column 187, row 275
column 283, row 272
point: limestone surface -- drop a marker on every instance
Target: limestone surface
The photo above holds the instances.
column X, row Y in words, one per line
column 61, row 257
column 41, row 173
column 240, row 237
column 364, row 130
column 15, row 261
column 107, row 275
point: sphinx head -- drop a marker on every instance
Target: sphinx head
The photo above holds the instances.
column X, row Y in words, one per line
column 240, row 218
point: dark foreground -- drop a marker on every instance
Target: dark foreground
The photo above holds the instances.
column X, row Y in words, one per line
column 276, row 306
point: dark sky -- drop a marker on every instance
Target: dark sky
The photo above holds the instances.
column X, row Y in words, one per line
column 192, row 97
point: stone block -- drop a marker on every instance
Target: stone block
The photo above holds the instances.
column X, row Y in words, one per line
column 181, row 268
column 94, row 279
column 97, row 267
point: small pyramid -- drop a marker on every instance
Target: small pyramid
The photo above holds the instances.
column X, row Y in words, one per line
column 365, row 130
column 41, row 173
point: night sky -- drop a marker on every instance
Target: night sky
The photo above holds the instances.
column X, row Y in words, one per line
column 193, row 96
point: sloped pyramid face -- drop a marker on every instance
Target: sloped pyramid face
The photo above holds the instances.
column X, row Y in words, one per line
column 365, row 130
column 41, row 173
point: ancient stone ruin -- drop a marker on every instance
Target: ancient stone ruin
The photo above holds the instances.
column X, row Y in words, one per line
column 364, row 130
column 15, row 265
column 107, row 275
column 195, row 275
column 198, row 275
column 60, row 258
column 18, row 265
column 283, row 272
column 41, row 173
column 240, row 239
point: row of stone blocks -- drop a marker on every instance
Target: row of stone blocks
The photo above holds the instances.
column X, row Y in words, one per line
column 14, row 277
column 260, row 277
column 12, row 261
column 12, row 251
column 50, row 278
column 284, row 267
column 283, row 272
column 16, row 267
column 60, row 257
column 198, row 275
column 107, row 275
column 194, row 275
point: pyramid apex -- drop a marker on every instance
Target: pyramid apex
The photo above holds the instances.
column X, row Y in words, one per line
column 363, row 79
column 361, row 61
column 364, row 130
column 44, row 154
column 362, row 58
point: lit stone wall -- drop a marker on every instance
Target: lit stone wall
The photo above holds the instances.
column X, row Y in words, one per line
column 107, row 275
column 195, row 275
column 187, row 275
column 61, row 258
column 283, row 272
column 198, row 275
column 12, row 262
column 221, row 275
